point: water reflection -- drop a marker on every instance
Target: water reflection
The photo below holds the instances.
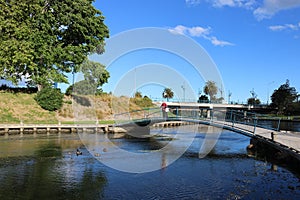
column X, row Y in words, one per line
column 46, row 167
column 50, row 173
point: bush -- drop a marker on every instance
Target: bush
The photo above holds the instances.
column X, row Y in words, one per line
column 145, row 102
column 50, row 98
column 69, row 90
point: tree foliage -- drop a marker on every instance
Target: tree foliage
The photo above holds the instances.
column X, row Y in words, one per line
column 95, row 75
column 283, row 97
column 143, row 102
column 49, row 98
column 203, row 99
column 168, row 93
column 253, row 101
column 40, row 38
column 211, row 90
column 94, row 72
column 138, row 95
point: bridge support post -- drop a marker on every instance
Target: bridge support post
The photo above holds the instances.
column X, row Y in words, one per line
column 245, row 114
column 233, row 120
column 273, row 136
column 255, row 124
column 208, row 113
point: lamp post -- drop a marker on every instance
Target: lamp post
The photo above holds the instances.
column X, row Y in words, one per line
column 229, row 95
column 183, row 88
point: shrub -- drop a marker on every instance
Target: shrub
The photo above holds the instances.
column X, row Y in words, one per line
column 145, row 102
column 69, row 90
column 50, row 98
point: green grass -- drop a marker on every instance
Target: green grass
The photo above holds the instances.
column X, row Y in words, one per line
column 89, row 122
column 8, row 118
column 20, row 107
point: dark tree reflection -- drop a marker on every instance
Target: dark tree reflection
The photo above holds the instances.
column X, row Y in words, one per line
column 50, row 174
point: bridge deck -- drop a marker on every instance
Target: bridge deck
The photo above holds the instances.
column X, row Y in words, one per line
column 288, row 139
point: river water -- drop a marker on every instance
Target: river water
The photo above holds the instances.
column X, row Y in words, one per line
column 47, row 167
column 283, row 125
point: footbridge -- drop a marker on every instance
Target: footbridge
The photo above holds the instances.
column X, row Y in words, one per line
column 259, row 127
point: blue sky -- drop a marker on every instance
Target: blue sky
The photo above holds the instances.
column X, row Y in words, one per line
column 255, row 44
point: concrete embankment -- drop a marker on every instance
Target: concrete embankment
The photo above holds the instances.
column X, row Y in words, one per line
column 15, row 129
column 58, row 128
column 170, row 124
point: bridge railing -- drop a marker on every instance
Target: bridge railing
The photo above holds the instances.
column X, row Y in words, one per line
column 252, row 120
column 135, row 115
column 245, row 120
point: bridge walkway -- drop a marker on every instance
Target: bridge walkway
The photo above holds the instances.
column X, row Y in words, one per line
column 288, row 139
column 245, row 123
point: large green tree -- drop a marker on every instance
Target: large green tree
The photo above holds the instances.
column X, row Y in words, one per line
column 283, row 97
column 211, row 90
column 40, row 38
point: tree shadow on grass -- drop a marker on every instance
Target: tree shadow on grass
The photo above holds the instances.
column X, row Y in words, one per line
column 84, row 101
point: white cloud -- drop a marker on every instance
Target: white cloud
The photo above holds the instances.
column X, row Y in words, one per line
column 233, row 3
column 262, row 9
column 271, row 7
column 277, row 28
column 293, row 27
column 221, row 43
column 181, row 30
column 192, row 2
column 223, row 3
column 198, row 31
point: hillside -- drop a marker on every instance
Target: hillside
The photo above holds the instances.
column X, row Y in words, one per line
column 21, row 107
column 17, row 107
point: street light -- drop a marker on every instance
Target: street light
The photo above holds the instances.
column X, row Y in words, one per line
column 183, row 88
column 229, row 95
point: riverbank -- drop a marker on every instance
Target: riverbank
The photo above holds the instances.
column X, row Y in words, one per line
column 21, row 108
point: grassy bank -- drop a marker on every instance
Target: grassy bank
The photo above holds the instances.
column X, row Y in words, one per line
column 21, row 107
column 17, row 107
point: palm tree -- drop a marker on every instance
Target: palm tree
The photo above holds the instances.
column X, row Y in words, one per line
column 211, row 90
column 168, row 93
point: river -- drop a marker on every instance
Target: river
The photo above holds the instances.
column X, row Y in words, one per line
column 46, row 167
column 284, row 125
